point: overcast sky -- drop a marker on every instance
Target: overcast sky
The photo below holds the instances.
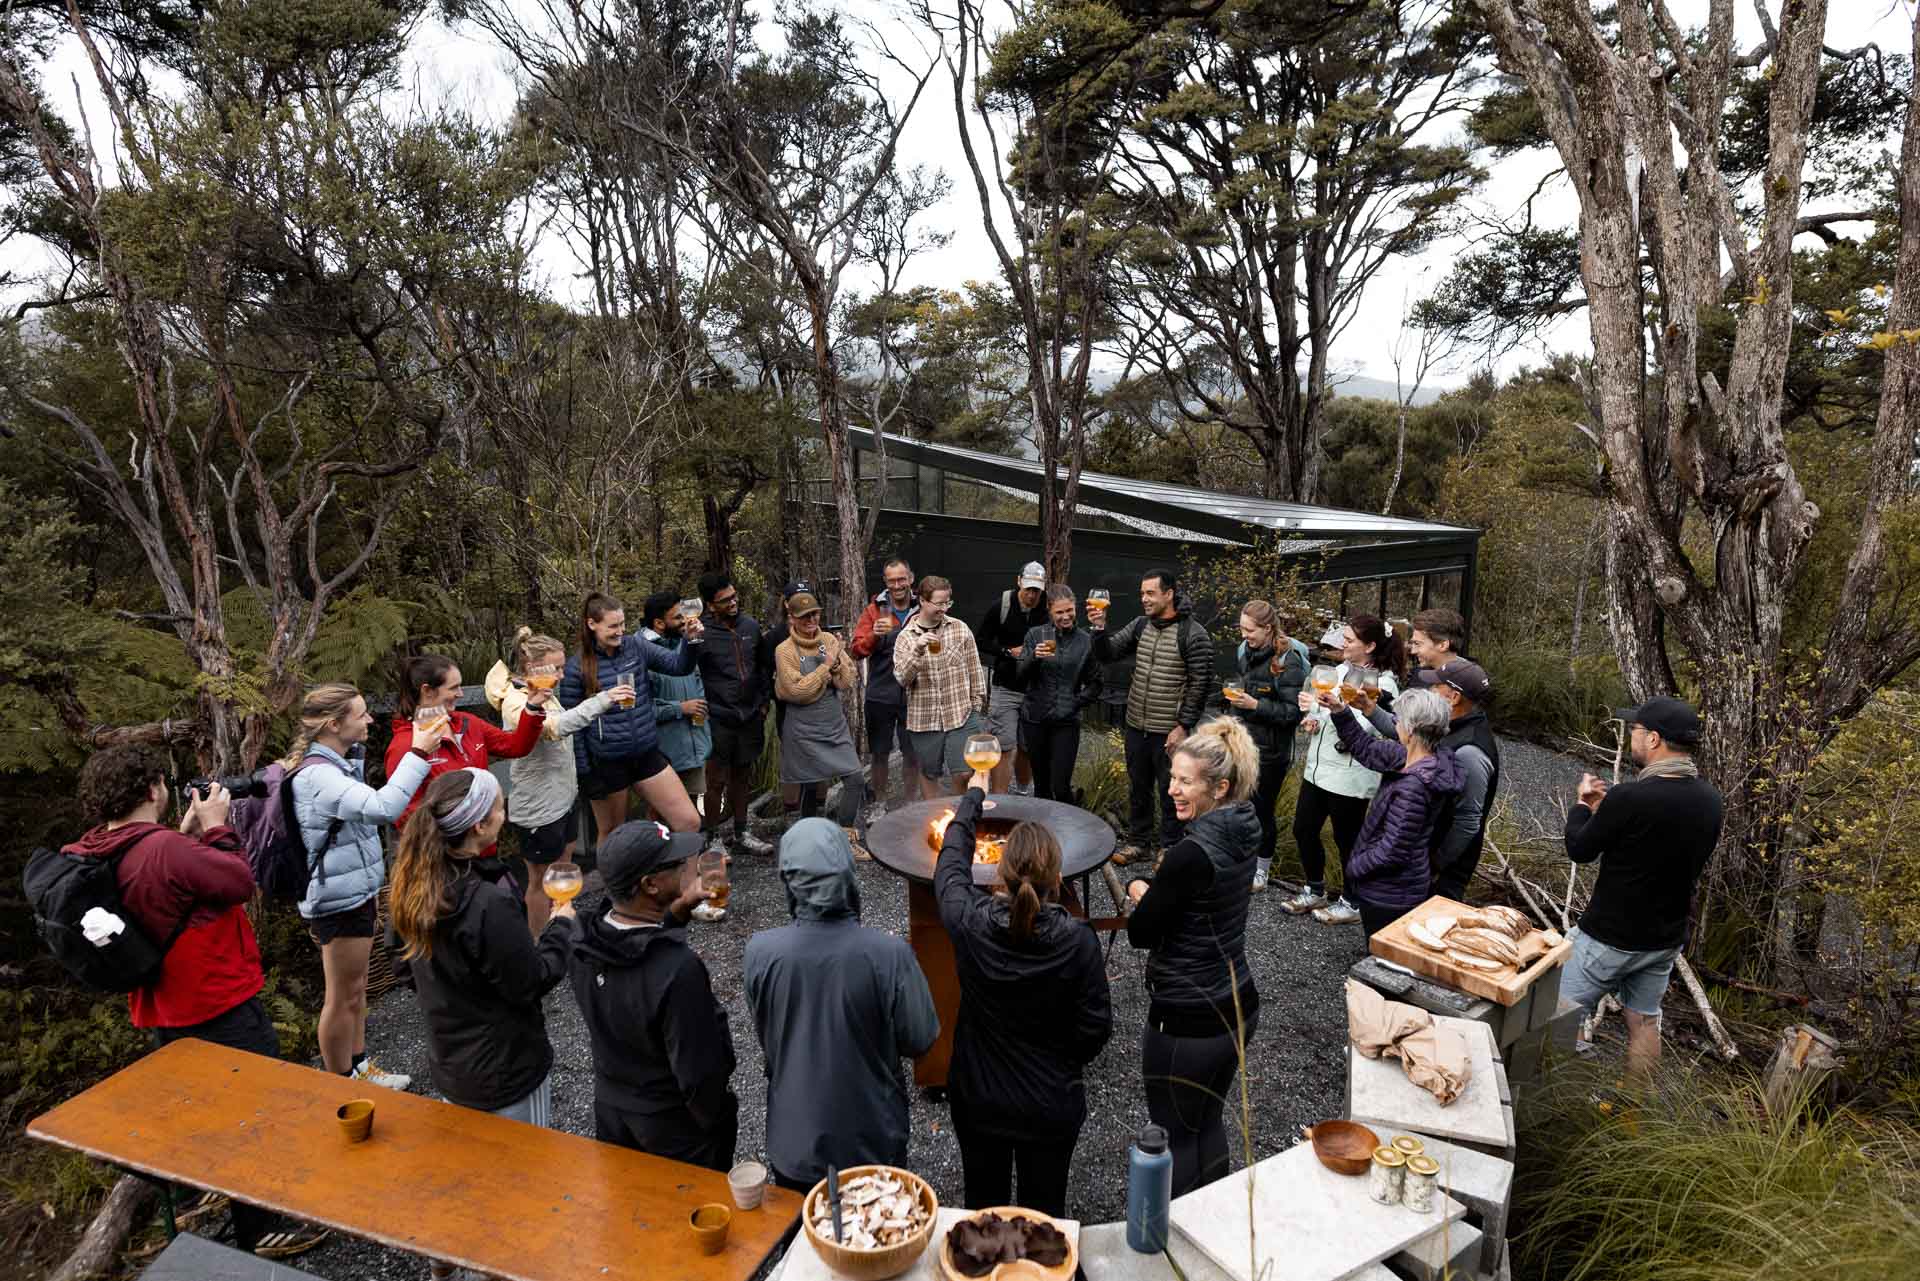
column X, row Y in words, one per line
column 460, row 65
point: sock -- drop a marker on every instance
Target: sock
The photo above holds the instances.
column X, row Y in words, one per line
column 358, row 1059
column 1265, row 865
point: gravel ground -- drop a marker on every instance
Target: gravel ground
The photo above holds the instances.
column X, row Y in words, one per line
column 1296, row 1070
column 1539, row 785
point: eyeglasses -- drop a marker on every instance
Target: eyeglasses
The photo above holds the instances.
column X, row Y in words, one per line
column 728, row 599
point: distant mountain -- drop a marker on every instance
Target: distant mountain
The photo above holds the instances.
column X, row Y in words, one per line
column 1361, row 386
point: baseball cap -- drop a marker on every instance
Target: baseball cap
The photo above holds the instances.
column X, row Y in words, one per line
column 802, row 602
column 637, row 848
column 1033, row 574
column 1670, row 718
column 795, row 587
column 1469, row 678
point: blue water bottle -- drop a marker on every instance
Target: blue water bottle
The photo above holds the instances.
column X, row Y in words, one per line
column 1149, row 1191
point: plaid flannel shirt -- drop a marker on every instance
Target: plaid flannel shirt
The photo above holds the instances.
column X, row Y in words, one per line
column 942, row 689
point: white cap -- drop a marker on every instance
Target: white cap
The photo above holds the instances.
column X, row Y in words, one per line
column 1034, row 575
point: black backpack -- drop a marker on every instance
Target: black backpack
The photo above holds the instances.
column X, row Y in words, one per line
column 62, row 888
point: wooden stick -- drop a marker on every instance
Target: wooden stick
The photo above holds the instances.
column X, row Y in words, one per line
column 1721, row 1041
column 1772, row 994
column 94, row 1256
column 1513, row 878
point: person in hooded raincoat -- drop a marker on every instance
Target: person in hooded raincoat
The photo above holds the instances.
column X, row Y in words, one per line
column 835, row 1005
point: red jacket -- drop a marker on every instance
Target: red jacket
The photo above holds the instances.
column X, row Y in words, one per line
column 471, row 743
column 165, row 877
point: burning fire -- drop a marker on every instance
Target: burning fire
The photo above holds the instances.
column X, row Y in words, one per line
column 986, row 849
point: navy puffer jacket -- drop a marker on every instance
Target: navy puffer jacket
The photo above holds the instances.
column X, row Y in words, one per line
column 1391, row 864
column 622, row 733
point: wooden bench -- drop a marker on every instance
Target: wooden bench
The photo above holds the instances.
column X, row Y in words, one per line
column 466, row 1187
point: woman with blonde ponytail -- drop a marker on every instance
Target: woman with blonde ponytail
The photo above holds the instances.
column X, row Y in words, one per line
column 545, row 785
column 1193, row 917
column 1034, row 1011
column 339, row 818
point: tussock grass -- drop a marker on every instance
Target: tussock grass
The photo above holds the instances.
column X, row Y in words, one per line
column 1700, row 1184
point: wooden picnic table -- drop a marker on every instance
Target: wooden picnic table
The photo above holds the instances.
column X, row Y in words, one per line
column 437, row 1180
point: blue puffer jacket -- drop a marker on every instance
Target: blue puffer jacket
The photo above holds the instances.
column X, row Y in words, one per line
column 624, row 732
column 1391, row 864
column 330, row 787
column 686, row 745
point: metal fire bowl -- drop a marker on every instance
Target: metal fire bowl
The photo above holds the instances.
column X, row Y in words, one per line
column 898, row 841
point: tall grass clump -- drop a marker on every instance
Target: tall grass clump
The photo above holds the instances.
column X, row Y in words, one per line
column 1701, row 1184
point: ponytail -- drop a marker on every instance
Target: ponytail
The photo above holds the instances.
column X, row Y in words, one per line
column 1389, row 651
column 1222, row 749
column 426, row 669
column 529, row 645
column 323, row 705
column 1030, row 869
column 596, row 607
column 423, row 867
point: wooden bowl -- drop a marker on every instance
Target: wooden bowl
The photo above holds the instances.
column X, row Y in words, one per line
column 1019, row 1269
column 872, row 1265
column 1345, row 1147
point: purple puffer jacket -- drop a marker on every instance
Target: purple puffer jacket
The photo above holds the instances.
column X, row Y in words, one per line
column 1391, row 864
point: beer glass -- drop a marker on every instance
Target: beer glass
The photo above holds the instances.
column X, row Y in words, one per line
column 1232, row 689
column 934, row 643
column 543, row 676
column 711, row 868
column 562, row 882
column 623, row 692
column 1049, row 644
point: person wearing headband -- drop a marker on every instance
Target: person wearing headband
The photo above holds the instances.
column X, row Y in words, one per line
column 479, row 974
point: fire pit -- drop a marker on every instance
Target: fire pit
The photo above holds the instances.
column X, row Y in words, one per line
column 899, row 842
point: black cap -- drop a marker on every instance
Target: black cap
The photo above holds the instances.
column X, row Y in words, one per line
column 640, row 847
column 1469, row 678
column 1670, row 718
column 1152, row 1138
column 795, row 587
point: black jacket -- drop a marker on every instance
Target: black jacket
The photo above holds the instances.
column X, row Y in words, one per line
column 1004, row 627
column 1032, row 1015
column 1453, row 867
column 1653, row 838
column 1273, row 721
column 735, row 670
column 660, row 1040
column 1059, row 688
column 1194, row 917
column 480, row 991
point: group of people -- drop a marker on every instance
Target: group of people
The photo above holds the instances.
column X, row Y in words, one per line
column 1403, row 765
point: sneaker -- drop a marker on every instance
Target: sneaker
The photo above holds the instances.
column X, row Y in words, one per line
column 1338, row 912
column 1305, row 901
column 1126, row 854
column 286, row 1242
column 752, row 844
column 372, row 1074
column 1020, row 789
column 1259, row 881
column 708, row 912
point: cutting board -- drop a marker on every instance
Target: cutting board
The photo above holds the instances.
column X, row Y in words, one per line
column 1503, row 987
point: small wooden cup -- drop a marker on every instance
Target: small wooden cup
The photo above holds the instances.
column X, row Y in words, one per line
column 356, row 1120
column 710, row 1223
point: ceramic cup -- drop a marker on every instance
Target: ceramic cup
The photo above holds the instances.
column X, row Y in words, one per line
column 356, row 1119
column 748, row 1183
column 710, row 1227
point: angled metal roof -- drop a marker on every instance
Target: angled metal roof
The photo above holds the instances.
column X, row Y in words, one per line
column 1229, row 516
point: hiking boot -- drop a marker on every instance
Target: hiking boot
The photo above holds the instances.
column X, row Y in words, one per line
column 1127, row 853
column 1259, row 881
column 1338, row 912
column 1307, row 900
column 292, row 1239
column 860, row 852
column 372, row 1073
column 708, row 912
column 752, row 844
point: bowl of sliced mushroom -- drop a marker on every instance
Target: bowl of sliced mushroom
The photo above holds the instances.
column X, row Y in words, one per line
column 886, row 1219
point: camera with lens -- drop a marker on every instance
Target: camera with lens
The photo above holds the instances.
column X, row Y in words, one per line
column 239, row 786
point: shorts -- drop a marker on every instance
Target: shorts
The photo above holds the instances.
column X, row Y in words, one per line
column 617, row 774
column 546, row 843
column 1635, row 979
column 694, row 780
column 887, row 726
column 942, row 753
column 355, row 923
column 1003, row 717
column 738, row 746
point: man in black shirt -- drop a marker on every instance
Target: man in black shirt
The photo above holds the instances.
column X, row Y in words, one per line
column 1000, row 637
column 1653, row 837
column 662, row 1052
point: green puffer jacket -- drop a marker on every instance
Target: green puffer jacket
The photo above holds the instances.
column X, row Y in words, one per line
column 1172, row 668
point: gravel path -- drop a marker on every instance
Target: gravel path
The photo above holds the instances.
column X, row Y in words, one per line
column 1296, row 1066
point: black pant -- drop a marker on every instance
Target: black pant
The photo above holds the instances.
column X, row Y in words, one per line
column 673, row 1134
column 1374, row 917
column 1053, row 747
column 1273, row 775
column 1149, row 767
column 988, row 1163
column 244, row 1027
column 1189, row 1082
column 1310, row 814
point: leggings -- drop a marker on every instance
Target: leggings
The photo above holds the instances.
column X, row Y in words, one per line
column 988, row 1163
column 1052, row 746
column 1189, row 1081
column 1273, row 776
column 1310, row 814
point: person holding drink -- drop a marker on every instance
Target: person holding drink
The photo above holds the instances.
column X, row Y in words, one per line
column 1266, row 698
column 1061, row 681
column 1002, row 638
column 737, row 678
column 938, row 665
column 545, row 787
column 621, row 752
column 679, row 702
column 873, row 640
column 663, row 1055
column 428, row 693
column 809, row 667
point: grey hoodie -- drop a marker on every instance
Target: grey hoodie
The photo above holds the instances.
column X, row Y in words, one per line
column 835, row 1006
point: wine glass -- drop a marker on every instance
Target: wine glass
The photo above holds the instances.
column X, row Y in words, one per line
column 562, row 882
column 1370, row 686
column 543, row 676
column 1099, row 600
column 711, row 868
column 1232, row 689
column 1324, row 679
column 982, row 753
column 1352, row 682
column 426, row 718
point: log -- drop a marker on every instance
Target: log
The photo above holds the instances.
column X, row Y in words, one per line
column 1805, row 1057
column 94, row 1256
column 1721, row 1041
